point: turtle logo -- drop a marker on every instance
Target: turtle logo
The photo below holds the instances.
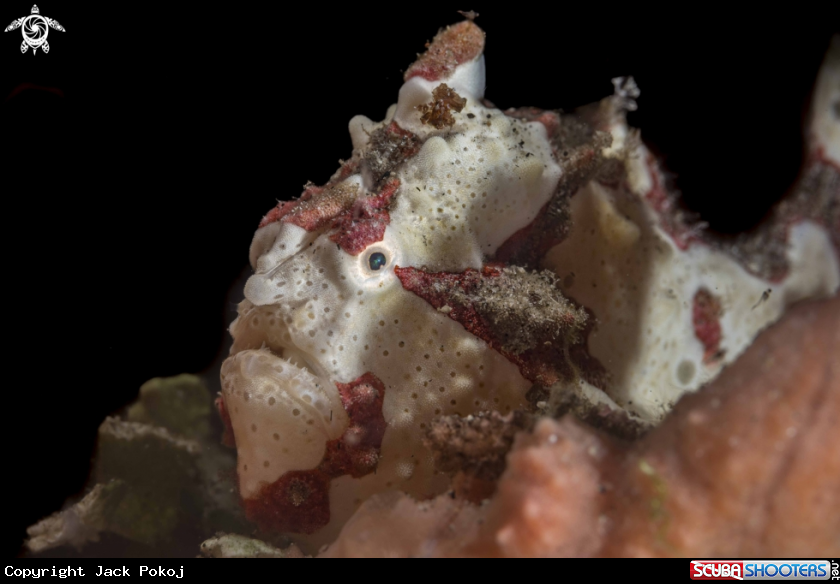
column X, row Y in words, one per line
column 35, row 30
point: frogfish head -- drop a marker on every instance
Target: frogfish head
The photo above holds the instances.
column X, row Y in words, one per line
column 409, row 288
column 346, row 345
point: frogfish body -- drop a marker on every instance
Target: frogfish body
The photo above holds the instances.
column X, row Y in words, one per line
column 464, row 260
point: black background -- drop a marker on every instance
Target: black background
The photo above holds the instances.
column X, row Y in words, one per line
column 130, row 199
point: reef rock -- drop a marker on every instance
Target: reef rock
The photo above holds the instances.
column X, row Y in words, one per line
column 464, row 258
column 160, row 479
column 238, row 546
column 748, row 467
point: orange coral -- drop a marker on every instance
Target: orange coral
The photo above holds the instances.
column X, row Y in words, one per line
column 749, row 466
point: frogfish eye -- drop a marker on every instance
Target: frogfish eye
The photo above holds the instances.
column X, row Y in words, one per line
column 377, row 260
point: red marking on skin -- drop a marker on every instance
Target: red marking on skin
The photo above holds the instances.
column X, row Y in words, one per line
column 457, row 44
column 550, row 120
column 227, row 438
column 357, row 452
column 664, row 205
column 395, row 128
column 817, row 163
column 820, row 157
column 321, row 208
column 545, row 231
column 706, row 311
column 298, row 502
column 656, row 196
column 364, row 223
column 778, row 276
column 684, row 237
column 347, row 170
column 530, row 235
column 358, row 222
column 322, row 211
column 544, row 365
column 410, row 144
column 277, row 213
column 781, row 223
column 436, row 289
column 589, row 367
column 587, row 156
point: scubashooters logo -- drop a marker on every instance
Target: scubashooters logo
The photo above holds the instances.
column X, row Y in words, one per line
column 763, row 570
column 35, row 29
